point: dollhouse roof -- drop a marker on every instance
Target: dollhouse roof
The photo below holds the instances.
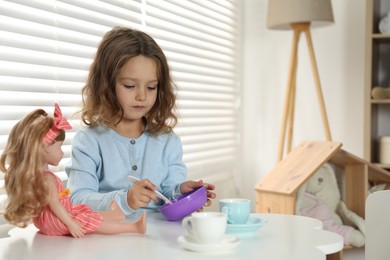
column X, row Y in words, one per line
column 290, row 173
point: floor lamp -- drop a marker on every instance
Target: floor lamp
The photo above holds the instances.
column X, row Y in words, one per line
column 299, row 16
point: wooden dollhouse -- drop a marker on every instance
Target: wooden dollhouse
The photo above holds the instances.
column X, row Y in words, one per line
column 277, row 191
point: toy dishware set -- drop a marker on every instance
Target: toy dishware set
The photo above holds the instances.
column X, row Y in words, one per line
column 209, row 231
column 237, row 210
column 185, row 204
column 240, row 222
column 219, row 232
column 205, row 227
column 205, row 232
column 181, row 206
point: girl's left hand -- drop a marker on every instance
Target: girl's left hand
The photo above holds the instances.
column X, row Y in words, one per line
column 190, row 185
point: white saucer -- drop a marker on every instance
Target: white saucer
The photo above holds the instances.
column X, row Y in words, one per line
column 228, row 243
column 253, row 224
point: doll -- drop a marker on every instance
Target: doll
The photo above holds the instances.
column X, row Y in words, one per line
column 36, row 194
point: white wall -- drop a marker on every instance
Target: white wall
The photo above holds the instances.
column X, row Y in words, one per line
column 339, row 50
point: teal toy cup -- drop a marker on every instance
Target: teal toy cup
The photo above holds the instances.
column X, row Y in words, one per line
column 236, row 210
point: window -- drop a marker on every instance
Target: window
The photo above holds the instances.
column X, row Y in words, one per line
column 46, row 47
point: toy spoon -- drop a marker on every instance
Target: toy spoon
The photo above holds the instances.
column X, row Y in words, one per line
column 159, row 194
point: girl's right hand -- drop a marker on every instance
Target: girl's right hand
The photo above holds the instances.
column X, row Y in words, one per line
column 76, row 229
column 141, row 193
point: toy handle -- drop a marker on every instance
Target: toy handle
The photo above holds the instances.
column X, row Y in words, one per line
column 226, row 210
column 187, row 225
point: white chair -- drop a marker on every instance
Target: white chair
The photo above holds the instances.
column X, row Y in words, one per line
column 378, row 226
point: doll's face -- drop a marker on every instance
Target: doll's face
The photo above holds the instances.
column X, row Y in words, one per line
column 54, row 153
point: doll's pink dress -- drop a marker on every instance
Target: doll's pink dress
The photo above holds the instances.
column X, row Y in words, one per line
column 48, row 223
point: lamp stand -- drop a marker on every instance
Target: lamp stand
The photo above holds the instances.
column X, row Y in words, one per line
column 289, row 101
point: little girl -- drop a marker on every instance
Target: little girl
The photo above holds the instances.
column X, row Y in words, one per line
column 128, row 107
column 35, row 193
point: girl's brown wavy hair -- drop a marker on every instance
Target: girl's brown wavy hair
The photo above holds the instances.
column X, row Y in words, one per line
column 22, row 161
column 100, row 103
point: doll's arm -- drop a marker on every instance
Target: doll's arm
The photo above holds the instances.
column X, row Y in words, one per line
column 60, row 211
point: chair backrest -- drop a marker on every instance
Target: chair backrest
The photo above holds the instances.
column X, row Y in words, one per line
column 378, row 226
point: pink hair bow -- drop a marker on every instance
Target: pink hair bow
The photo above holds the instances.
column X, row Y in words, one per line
column 59, row 123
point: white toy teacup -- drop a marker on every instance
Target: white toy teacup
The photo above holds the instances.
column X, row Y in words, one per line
column 205, row 227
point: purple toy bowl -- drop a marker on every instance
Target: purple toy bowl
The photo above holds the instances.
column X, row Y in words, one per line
column 185, row 204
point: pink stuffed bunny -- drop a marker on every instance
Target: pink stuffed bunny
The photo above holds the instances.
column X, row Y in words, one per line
column 320, row 198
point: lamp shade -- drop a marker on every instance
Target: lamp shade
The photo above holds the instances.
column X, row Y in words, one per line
column 282, row 13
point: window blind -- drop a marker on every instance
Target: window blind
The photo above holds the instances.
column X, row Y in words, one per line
column 46, row 48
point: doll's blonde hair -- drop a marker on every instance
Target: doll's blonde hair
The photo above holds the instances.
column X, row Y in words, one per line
column 22, row 161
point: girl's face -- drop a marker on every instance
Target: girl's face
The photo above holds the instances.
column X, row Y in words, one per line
column 136, row 87
column 54, row 153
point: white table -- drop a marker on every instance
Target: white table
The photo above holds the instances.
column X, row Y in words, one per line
column 282, row 237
